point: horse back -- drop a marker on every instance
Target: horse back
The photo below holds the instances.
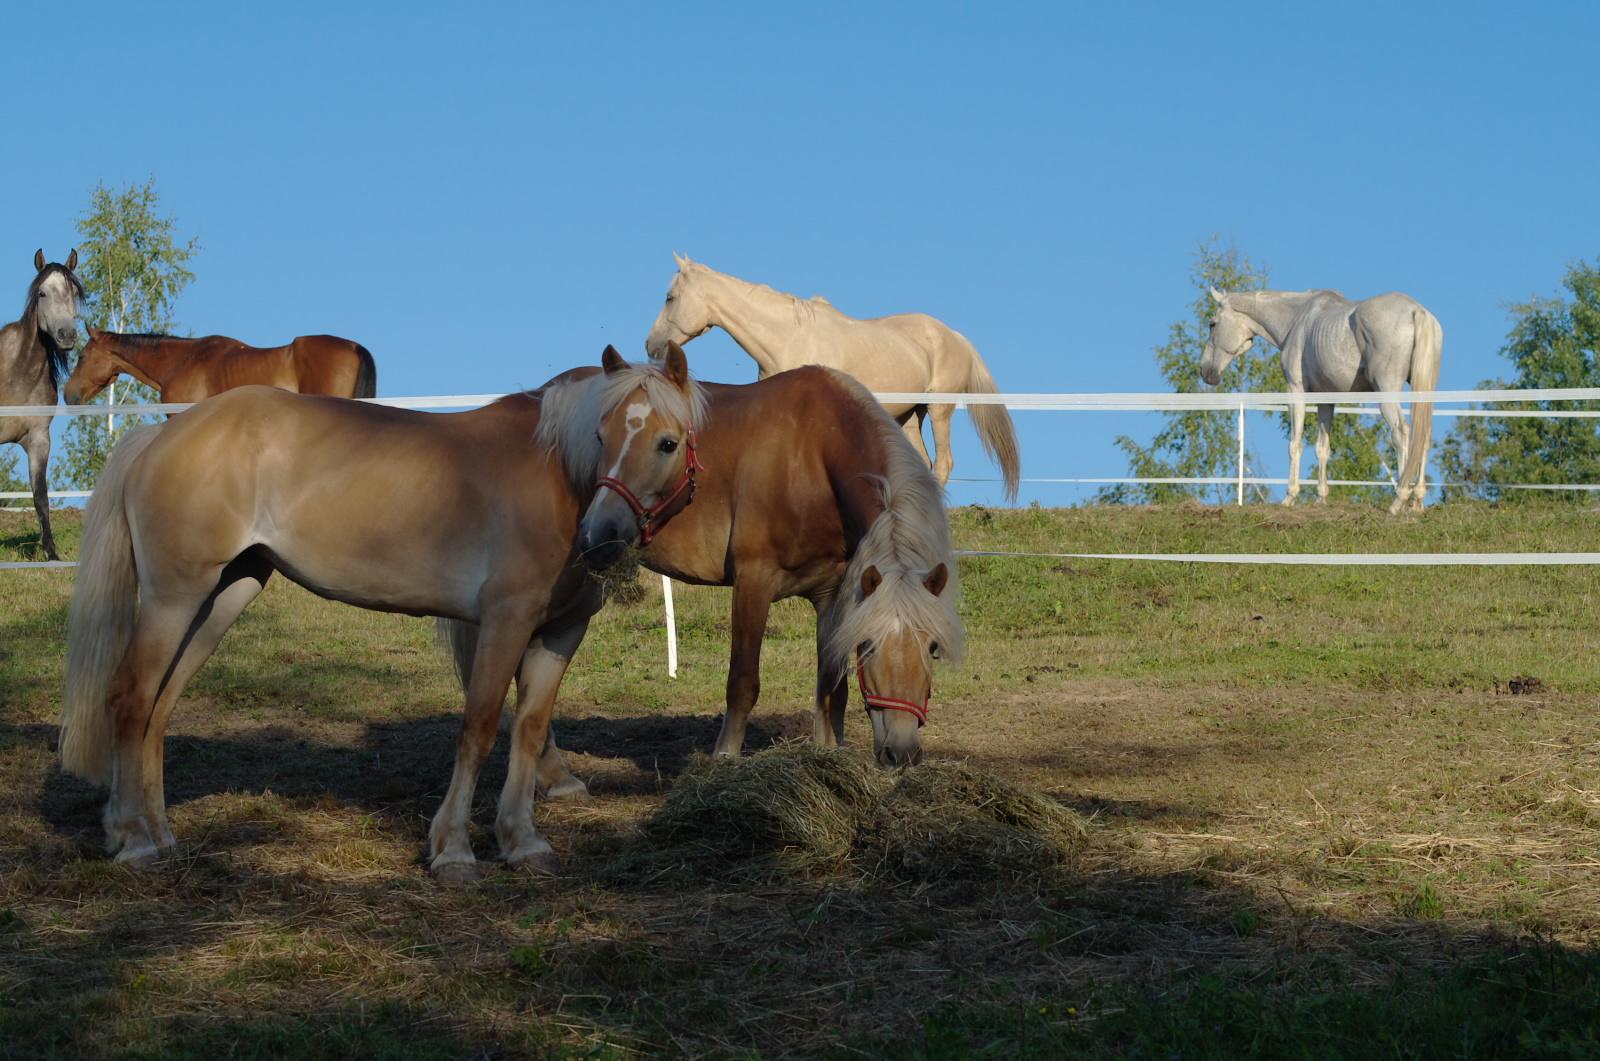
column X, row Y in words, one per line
column 333, row 365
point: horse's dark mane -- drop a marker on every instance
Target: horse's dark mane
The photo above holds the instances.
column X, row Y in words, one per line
column 147, row 338
column 54, row 355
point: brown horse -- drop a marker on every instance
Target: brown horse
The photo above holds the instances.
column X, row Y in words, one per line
column 191, row 517
column 808, row 488
column 188, row 370
column 33, row 354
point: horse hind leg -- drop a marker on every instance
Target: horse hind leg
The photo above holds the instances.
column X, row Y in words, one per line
column 912, row 426
column 944, row 461
column 1297, row 426
column 171, row 641
column 38, row 450
column 1324, row 449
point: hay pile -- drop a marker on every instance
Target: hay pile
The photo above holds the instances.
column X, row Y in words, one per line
column 800, row 810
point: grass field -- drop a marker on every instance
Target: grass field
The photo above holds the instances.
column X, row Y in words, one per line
column 1332, row 812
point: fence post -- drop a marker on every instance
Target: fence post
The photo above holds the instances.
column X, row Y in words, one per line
column 111, row 420
column 672, row 629
column 1240, row 500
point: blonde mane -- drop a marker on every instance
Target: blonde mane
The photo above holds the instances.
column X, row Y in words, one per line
column 910, row 538
column 570, row 413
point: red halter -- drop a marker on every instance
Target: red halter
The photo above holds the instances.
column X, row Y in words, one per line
column 651, row 519
column 888, row 703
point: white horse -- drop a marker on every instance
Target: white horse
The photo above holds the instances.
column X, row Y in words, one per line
column 905, row 352
column 1329, row 343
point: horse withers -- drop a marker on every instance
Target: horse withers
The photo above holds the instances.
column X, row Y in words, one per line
column 903, row 352
column 191, row 517
column 190, row 370
column 798, row 485
column 33, row 355
column 1329, row 343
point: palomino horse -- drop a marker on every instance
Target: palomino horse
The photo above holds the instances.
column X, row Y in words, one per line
column 905, row 352
column 1329, row 343
column 191, row 517
column 188, row 370
column 799, row 485
column 33, row 357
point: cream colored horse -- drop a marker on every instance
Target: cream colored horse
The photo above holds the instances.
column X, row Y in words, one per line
column 908, row 352
column 460, row 515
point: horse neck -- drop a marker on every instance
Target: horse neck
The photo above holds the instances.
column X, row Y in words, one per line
column 761, row 321
column 151, row 365
column 1274, row 312
column 36, row 354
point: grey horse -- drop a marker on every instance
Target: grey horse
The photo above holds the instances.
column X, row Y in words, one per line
column 33, row 357
column 1329, row 343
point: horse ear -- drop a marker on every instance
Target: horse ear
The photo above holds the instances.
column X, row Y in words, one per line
column 612, row 361
column 38, row 260
column 936, row 579
column 870, row 580
column 94, row 333
column 683, row 263
column 1219, row 297
column 72, row 260
column 675, row 365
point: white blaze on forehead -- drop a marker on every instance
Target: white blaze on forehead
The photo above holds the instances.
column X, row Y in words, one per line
column 633, row 417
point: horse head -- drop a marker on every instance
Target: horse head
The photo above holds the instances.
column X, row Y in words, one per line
column 647, row 454
column 1231, row 335
column 54, row 297
column 95, row 368
column 894, row 659
column 686, row 313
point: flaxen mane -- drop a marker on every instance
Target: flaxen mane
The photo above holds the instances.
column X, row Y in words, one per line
column 908, row 540
column 571, row 412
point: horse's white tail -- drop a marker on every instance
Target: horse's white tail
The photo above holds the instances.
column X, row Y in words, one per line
column 1426, row 346
column 993, row 424
column 461, row 641
column 100, row 622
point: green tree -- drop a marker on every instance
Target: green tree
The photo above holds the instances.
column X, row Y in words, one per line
column 1201, row 443
column 10, row 476
column 1553, row 342
column 133, row 271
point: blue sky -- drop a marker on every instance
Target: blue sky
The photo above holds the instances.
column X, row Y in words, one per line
column 485, row 195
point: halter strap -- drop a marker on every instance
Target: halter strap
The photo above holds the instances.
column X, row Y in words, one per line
column 888, row 703
column 653, row 518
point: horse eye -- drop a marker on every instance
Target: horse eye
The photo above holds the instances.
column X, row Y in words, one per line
column 598, row 437
column 933, row 650
column 667, row 445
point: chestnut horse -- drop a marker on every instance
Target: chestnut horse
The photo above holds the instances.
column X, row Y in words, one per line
column 33, row 355
column 191, row 517
column 797, row 485
column 188, row 370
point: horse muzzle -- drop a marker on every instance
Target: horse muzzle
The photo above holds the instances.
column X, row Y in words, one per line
column 602, row 545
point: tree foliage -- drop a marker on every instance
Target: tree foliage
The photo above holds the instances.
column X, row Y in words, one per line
column 1199, row 443
column 133, row 269
column 1553, row 342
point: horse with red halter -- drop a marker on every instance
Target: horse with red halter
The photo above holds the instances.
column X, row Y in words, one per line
column 798, row 485
column 191, row 517
column 189, row 370
column 33, row 357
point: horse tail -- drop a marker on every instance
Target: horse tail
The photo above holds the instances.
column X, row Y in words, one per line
column 993, row 422
column 460, row 639
column 100, row 621
column 1427, row 343
column 366, row 374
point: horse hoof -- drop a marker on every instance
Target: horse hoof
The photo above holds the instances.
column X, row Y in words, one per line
column 138, row 857
column 568, row 787
column 457, row 873
column 541, row 863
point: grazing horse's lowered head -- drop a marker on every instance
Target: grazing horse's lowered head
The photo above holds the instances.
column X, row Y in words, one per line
column 1230, row 336
column 685, row 315
column 53, row 299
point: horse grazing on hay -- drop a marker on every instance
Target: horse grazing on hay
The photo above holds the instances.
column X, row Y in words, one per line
column 33, row 358
column 905, row 352
column 189, row 370
column 798, row 485
column 1329, row 343
column 191, row 517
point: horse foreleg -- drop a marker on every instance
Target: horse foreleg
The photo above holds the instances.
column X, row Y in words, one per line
column 752, row 601
column 1297, row 426
column 912, row 426
column 833, row 693
column 538, row 678
column 37, row 446
column 944, row 461
column 502, row 641
column 1324, row 448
